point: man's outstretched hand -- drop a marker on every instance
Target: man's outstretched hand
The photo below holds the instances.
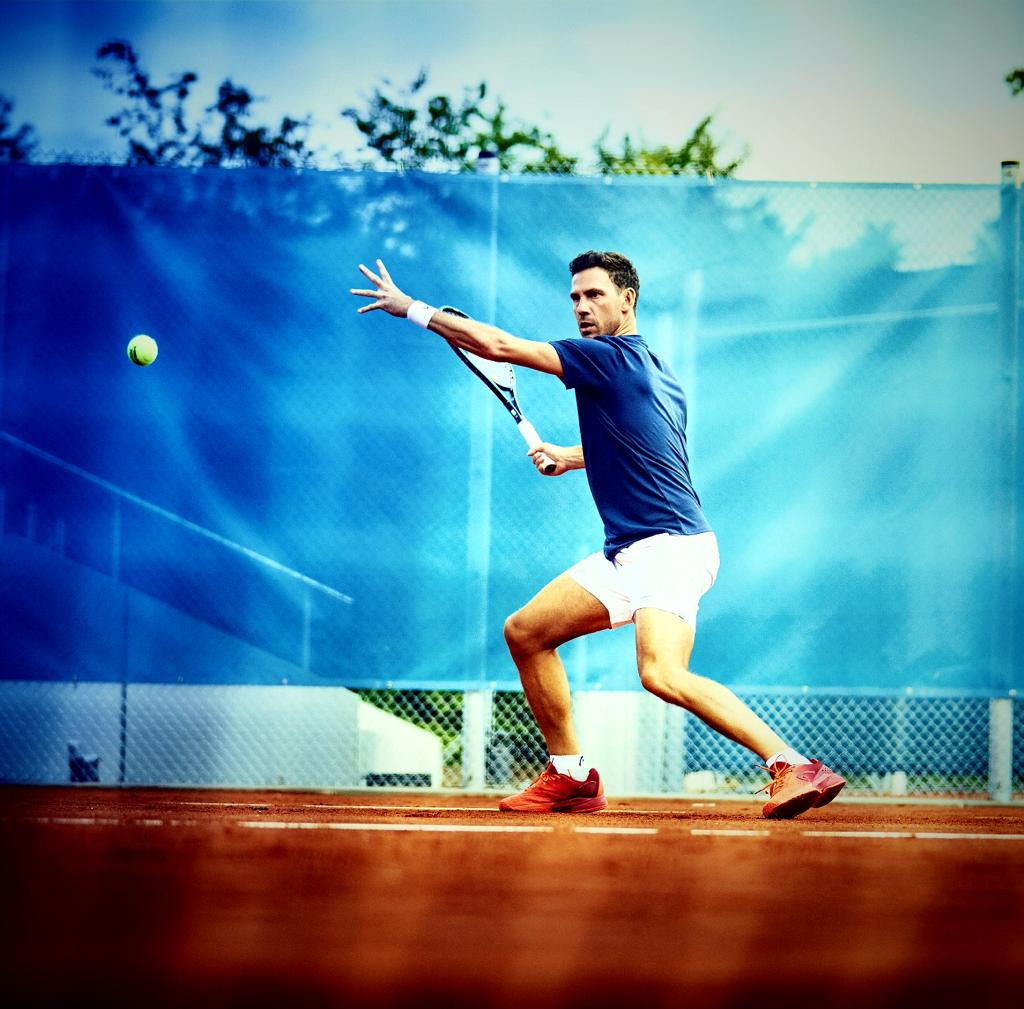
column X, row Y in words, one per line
column 385, row 292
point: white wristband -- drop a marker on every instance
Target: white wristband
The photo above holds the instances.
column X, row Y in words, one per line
column 420, row 313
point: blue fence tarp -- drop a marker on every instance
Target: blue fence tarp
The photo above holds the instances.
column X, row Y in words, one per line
column 844, row 349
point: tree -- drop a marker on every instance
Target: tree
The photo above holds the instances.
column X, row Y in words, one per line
column 410, row 130
column 236, row 143
column 15, row 145
column 153, row 119
column 414, row 131
column 1015, row 78
column 155, row 124
column 698, row 155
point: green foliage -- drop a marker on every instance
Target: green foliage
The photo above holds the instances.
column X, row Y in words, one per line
column 439, row 711
column 514, row 717
column 698, row 155
column 1015, row 78
column 415, row 137
column 414, row 131
column 409, row 130
column 237, row 143
column 153, row 118
column 15, row 145
column 156, row 127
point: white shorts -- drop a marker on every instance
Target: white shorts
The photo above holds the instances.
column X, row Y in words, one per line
column 664, row 572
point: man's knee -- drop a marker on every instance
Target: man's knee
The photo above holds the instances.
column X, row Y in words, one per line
column 666, row 680
column 521, row 634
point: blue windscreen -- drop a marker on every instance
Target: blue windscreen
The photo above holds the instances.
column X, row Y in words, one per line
column 336, row 492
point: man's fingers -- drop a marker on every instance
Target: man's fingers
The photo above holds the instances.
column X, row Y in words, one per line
column 384, row 293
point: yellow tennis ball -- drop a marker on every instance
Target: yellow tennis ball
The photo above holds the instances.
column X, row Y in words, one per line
column 142, row 350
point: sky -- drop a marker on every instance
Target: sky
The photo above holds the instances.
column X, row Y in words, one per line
column 812, row 90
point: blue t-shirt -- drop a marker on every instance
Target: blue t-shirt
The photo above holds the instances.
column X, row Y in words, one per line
column 633, row 429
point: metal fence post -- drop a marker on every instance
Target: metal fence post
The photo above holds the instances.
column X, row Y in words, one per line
column 115, row 573
column 476, row 720
column 1007, row 633
column 896, row 779
column 1000, row 748
column 476, row 704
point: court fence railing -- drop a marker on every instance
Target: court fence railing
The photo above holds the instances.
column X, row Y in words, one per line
column 901, row 745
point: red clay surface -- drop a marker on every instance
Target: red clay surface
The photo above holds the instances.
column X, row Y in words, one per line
column 152, row 898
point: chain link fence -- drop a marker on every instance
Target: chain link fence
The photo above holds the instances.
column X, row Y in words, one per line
column 895, row 746
column 281, row 556
column 891, row 746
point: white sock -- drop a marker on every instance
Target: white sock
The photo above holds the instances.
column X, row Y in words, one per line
column 787, row 756
column 573, row 764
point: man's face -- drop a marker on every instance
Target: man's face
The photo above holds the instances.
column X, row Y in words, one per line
column 601, row 309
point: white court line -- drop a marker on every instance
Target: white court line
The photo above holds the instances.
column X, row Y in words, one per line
column 102, row 821
column 921, row 835
column 407, row 809
column 616, row 830
column 856, row 833
column 492, row 809
column 428, row 827
column 339, row 807
column 344, row 806
column 970, row 837
column 91, row 821
column 244, row 805
column 77, row 821
column 698, row 832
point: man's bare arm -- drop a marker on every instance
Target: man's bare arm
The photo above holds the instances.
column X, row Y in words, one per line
column 495, row 344
column 565, row 458
column 477, row 337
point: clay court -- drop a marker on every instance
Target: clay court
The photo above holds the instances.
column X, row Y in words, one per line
column 186, row 898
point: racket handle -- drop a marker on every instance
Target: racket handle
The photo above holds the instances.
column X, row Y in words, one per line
column 530, row 436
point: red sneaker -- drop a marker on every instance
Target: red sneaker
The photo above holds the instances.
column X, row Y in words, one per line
column 828, row 783
column 791, row 791
column 558, row 793
column 795, row 789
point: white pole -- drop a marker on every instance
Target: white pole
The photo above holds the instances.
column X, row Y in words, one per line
column 1010, row 407
column 476, row 720
column 1000, row 748
column 477, row 703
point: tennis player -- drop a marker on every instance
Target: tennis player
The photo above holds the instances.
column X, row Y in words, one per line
column 660, row 554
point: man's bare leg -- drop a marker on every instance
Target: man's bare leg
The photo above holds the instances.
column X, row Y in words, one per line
column 561, row 611
column 664, row 643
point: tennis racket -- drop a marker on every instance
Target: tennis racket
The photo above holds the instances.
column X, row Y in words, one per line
column 500, row 378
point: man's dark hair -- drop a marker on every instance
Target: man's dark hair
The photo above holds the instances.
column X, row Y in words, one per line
column 620, row 269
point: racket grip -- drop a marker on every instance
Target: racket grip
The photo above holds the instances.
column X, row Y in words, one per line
column 530, row 436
